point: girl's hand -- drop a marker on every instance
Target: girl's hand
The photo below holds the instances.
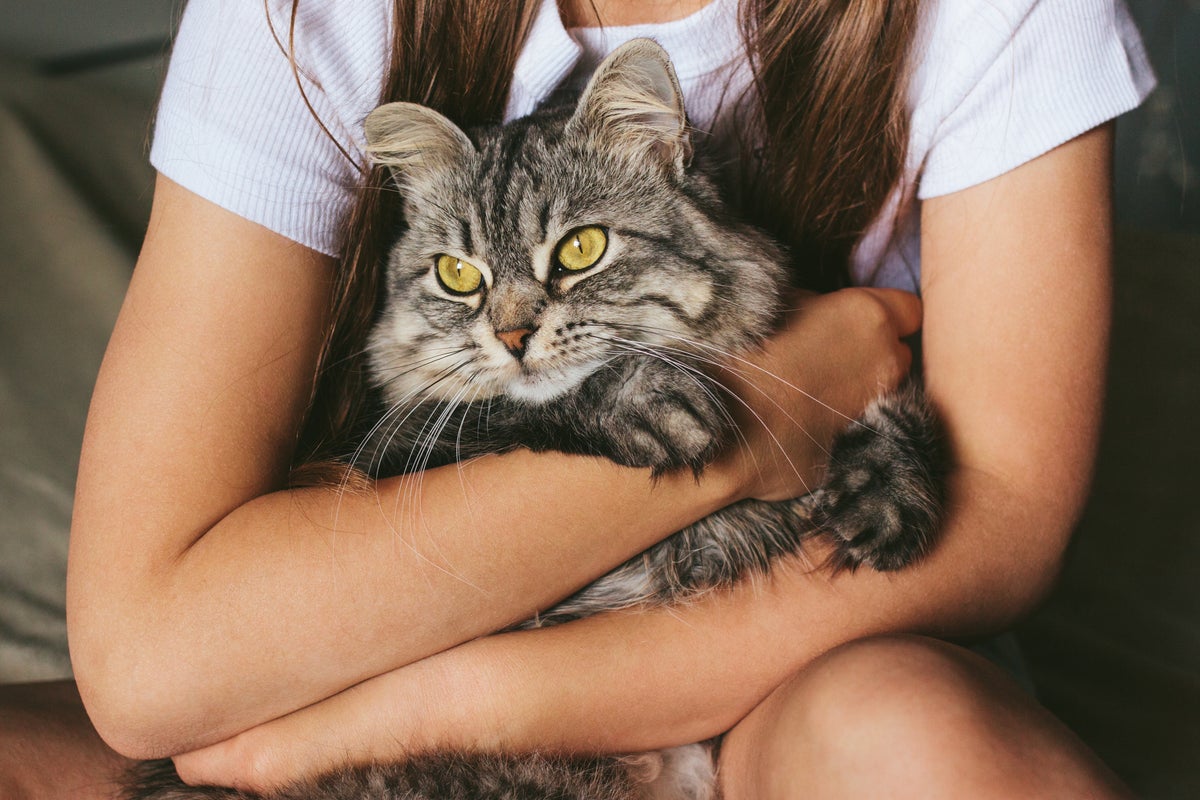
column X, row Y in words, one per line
column 257, row 761
column 253, row 761
column 183, row 482
column 834, row 354
column 291, row 748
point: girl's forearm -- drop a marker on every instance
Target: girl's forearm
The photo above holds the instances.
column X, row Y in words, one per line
column 698, row 669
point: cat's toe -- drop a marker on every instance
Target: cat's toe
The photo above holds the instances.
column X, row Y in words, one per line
column 640, row 446
column 869, row 534
column 881, row 503
column 661, row 419
column 661, row 437
column 691, row 437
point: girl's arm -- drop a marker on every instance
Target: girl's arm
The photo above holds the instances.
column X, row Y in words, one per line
column 1017, row 298
column 205, row 598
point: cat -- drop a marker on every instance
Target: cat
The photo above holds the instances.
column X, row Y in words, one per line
column 568, row 282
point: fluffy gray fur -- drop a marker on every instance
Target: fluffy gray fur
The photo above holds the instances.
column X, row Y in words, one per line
column 613, row 360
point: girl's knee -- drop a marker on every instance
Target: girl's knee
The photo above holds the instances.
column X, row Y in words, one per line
column 893, row 715
column 899, row 688
column 878, row 705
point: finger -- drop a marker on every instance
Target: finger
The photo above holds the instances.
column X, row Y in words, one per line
column 215, row 765
column 795, row 299
column 903, row 307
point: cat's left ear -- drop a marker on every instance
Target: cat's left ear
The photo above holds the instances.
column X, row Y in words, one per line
column 634, row 100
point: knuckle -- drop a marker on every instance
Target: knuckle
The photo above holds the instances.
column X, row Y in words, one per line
column 880, row 334
column 869, row 309
column 881, row 321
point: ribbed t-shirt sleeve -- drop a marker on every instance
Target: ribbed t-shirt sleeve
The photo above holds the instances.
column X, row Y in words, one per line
column 1016, row 79
column 233, row 125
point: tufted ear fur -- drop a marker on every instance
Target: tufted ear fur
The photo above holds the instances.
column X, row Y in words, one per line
column 408, row 137
column 634, row 100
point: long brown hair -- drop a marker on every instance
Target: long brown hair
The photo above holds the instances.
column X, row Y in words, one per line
column 833, row 117
column 830, row 121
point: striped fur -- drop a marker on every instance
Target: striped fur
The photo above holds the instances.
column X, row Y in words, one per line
column 615, row 363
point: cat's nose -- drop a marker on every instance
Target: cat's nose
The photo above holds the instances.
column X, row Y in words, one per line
column 515, row 340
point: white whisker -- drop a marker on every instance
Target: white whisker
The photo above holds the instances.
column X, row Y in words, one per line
column 641, row 347
column 726, row 354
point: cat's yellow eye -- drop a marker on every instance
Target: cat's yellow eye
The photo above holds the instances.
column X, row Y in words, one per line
column 581, row 248
column 457, row 276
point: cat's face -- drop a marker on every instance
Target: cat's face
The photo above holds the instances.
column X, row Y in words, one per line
column 547, row 247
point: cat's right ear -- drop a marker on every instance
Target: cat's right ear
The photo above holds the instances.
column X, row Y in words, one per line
column 410, row 138
column 634, row 102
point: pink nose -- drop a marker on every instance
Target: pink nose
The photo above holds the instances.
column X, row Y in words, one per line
column 515, row 340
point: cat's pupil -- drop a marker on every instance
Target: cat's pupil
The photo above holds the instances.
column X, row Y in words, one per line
column 582, row 248
column 457, row 276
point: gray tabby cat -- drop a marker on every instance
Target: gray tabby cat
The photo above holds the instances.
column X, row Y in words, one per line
column 567, row 282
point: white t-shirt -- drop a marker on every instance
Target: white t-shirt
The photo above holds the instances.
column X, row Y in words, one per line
column 996, row 83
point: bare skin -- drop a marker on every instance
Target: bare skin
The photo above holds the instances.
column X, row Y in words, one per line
column 906, row 717
column 526, row 674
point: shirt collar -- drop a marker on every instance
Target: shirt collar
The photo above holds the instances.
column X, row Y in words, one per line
column 698, row 43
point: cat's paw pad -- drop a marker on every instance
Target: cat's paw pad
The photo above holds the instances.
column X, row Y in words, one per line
column 881, row 501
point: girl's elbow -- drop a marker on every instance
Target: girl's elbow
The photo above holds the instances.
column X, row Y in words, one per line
column 1044, row 555
column 132, row 699
column 117, row 714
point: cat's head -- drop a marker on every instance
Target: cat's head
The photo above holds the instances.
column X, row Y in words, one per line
column 535, row 252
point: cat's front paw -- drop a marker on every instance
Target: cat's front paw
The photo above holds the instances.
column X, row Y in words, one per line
column 660, row 416
column 882, row 499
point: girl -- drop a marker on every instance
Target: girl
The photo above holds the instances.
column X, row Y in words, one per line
column 260, row 632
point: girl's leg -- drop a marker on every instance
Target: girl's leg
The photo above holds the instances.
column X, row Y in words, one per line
column 900, row 717
column 48, row 748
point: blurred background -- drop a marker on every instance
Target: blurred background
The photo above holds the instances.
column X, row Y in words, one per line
column 1158, row 148
column 1115, row 653
column 119, row 42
